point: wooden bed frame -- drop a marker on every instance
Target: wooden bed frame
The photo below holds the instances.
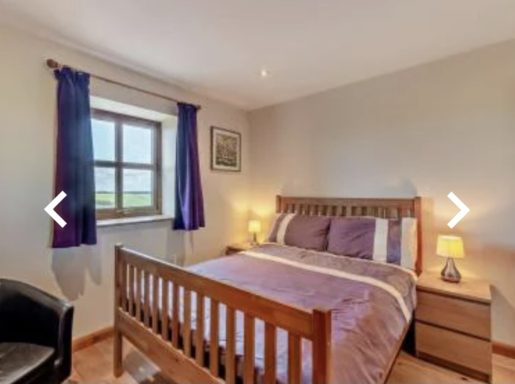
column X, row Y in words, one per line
column 171, row 344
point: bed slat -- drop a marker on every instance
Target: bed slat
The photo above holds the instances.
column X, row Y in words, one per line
column 321, row 346
column 138, row 294
column 187, row 323
column 155, row 303
column 131, row 290
column 270, row 354
column 248, row 349
column 213, row 339
column 164, row 311
column 230, row 353
column 294, row 359
column 123, row 285
column 120, row 290
column 175, row 315
column 146, row 298
column 199, row 331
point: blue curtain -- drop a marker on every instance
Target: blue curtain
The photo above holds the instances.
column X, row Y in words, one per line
column 189, row 204
column 74, row 165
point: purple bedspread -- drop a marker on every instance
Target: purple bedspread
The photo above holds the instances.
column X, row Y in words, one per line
column 371, row 305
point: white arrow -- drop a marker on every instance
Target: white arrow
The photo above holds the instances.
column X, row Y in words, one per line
column 50, row 209
column 461, row 214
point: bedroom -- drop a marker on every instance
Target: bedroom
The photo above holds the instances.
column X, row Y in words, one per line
column 333, row 102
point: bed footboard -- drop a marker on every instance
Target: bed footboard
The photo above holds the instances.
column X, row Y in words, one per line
column 160, row 325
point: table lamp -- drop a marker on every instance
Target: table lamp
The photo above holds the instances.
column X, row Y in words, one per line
column 452, row 248
column 254, row 229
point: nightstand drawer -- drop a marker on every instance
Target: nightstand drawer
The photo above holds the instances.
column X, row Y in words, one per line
column 454, row 313
column 454, row 348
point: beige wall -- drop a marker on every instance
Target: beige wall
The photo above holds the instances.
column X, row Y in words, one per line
column 27, row 129
column 441, row 127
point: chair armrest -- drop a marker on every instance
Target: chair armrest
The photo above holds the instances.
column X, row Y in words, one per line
column 30, row 315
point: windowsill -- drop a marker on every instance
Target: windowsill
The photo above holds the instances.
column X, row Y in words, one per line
column 133, row 220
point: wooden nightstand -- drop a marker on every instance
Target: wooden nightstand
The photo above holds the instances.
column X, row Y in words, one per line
column 239, row 247
column 453, row 325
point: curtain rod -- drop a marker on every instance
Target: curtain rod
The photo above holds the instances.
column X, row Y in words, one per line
column 51, row 63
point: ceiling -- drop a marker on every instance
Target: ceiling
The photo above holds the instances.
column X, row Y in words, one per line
column 219, row 47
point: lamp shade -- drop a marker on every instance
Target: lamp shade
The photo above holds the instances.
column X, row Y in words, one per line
column 254, row 226
column 450, row 246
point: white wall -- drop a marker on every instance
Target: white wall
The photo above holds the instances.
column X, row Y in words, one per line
column 441, row 127
column 27, row 145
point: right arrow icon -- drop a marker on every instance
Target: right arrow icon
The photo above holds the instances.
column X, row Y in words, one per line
column 463, row 210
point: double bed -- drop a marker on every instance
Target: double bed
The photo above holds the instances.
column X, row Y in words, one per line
column 276, row 313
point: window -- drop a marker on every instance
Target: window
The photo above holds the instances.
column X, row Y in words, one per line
column 127, row 153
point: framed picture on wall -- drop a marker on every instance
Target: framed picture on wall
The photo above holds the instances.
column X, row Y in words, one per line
column 225, row 150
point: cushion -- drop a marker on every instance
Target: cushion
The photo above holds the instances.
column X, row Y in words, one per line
column 385, row 240
column 23, row 362
column 309, row 232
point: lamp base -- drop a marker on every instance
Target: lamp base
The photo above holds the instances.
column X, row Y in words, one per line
column 254, row 241
column 450, row 273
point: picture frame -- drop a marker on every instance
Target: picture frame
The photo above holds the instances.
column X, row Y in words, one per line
column 225, row 150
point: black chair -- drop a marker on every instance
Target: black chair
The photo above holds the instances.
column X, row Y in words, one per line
column 35, row 335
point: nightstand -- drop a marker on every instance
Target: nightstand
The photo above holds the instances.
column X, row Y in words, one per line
column 453, row 325
column 239, row 247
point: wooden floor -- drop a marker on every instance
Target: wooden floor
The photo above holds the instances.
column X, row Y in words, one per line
column 93, row 365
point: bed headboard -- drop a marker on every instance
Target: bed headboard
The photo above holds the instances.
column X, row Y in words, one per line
column 376, row 207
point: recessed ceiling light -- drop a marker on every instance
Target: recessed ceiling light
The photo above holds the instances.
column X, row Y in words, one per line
column 264, row 73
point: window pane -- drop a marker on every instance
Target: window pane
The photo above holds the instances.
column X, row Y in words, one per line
column 137, row 188
column 103, row 139
column 137, row 144
column 105, row 187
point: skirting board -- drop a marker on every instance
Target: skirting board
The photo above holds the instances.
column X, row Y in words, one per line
column 503, row 349
column 93, row 338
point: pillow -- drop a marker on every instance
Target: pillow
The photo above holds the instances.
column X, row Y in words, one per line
column 385, row 240
column 309, row 232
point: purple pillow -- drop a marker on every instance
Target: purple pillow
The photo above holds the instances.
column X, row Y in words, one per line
column 386, row 240
column 309, row 232
column 352, row 236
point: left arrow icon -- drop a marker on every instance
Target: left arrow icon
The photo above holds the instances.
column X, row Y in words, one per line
column 50, row 209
